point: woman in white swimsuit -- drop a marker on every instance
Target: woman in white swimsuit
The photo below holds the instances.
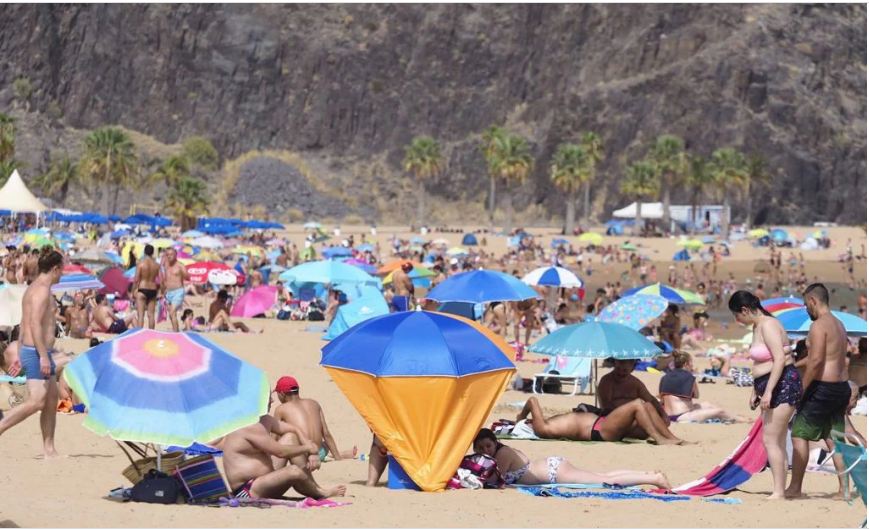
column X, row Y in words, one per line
column 516, row 468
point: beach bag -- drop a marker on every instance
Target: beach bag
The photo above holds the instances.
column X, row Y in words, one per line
column 139, row 468
column 476, row 472
column 283, row 315
column 202, row 480
column 156, row 488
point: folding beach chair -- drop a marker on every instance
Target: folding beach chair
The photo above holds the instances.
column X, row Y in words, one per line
column 12, row 391
column 570, row 369
column 855, row 465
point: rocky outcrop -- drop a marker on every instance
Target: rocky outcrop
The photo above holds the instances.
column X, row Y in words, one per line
column 347, row 86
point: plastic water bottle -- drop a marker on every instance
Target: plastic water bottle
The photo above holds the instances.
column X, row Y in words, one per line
column 363, row 457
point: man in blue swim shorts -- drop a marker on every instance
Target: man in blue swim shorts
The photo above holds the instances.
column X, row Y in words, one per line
column 174, row 275
column 35, row 351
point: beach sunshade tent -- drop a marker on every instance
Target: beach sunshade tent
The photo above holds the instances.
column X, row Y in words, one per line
column 634, row 311
column 15, row 197
column 11, row 296
column 675, row 296
column 77, row 282
column 553, row 277
column 326, row 271
column 469, row 240
column 369, row 303
column 337, row 252
column 480, row 287
column 255, row 302
column 591, row 238
column 779, row 235
column 628, row 246
column 424, row 383
column 682, row 255
column 796, row 321
column 457, row 251
column 166, row 388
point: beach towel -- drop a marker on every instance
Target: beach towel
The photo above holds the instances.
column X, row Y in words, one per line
column 268, row 503
column 748, row 458
column 197, row 449
column 614, row 493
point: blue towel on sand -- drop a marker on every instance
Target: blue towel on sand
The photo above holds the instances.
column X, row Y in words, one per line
column 611, row 494
column 197, row 449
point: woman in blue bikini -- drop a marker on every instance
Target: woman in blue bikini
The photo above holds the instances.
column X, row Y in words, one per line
column 516, row 468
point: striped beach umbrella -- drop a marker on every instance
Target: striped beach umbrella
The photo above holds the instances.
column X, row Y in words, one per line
column 797, row 322
column 783, row 303
column 76, row 282
column 166, row 388
column 552, row 276
column 675, row 296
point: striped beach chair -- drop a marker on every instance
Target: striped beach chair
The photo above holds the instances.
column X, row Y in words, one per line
column 202, row 480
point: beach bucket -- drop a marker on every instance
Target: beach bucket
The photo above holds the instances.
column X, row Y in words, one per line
column 397, row 478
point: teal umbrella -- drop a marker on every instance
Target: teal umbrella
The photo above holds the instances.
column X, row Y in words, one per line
column 327, row 271
column 599, row 340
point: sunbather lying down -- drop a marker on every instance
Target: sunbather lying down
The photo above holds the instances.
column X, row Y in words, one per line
column 586, row 426
column 516, row 468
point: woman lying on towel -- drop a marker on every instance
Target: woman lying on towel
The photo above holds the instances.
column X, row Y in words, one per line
column 516, row 468
column 587, row 426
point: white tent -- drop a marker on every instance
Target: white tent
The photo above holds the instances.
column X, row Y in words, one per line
column 648, row 210
column 10, row 304
column 15, row 197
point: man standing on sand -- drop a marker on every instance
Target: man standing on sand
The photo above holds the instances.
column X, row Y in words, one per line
column 174, row 275
column 307, row 416
column 825, row 380
column 403, row 286
column 257, row 466
column 36, row 347
column 145, row 287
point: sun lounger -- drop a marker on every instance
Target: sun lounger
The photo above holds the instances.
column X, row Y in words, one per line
column 571, row 369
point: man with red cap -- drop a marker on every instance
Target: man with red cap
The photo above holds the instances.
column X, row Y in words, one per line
column 307, row 416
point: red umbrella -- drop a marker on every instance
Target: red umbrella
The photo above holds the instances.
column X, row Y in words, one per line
column 115, row 282
column 255, row 302
column 72, row 268
column 198, row 271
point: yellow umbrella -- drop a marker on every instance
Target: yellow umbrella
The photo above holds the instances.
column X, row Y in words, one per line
column 692, row 244
column 132, row 247
column 249, row 249
column 591, row 237
column 758, row 233
column 162, row 243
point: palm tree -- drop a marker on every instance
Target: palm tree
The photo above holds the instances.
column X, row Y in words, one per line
column 60, row 176
column 671, row 162
column 187, row 200
column 491, row 137
column 758, row 177
column 109, row 162
column 569, row 172
column 593, row 146
column 729, row 171
column 512, row 163
column 641, row 181
column 422, row 158
column 6, row 169
column 7, row 137
column 172, row 170
column 698, row 179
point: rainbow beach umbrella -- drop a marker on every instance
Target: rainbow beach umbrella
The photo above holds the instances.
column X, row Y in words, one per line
column 166, row 388
column 783, row 303
column 76, row 282
column 797, row 322
column 424, row 382
column 675, row 296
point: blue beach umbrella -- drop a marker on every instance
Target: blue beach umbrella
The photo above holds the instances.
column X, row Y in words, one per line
column 598, row 340
column 365, row 247
column 327, row 271
column 481, row 286
column 337, row 252
column 166, row 388
column 796, row 321
column 778, row 235
column 559, row 242
column 77, row 282
column 676, row 296
column 634, row 311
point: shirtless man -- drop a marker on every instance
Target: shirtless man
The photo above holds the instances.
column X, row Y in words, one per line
column 78, row 319
column 104, row 320
column 10, row 263
column 35, row 352
column 587, row 426
column 145, row 286
column 825, row 381
column 620, row 387
column 307, row 416
column 174, row 275
column 402, row 284
column 31, row 266
column 258, row 466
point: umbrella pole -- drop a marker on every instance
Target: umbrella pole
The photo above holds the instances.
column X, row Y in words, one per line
column 159, row 457
column 595, row 382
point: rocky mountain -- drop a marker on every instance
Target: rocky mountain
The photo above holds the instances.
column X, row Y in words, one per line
column 345, row 88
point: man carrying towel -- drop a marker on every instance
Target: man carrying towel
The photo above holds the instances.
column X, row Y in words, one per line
column 825, row 379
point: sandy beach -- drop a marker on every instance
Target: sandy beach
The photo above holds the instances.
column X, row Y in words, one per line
column 68, row 491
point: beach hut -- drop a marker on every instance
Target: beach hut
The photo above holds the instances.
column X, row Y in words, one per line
column 469, row 240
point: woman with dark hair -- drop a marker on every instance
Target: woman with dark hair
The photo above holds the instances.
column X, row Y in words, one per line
column 777, row 384
column 516, row 468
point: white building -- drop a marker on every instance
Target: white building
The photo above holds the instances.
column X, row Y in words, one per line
column 705, row 214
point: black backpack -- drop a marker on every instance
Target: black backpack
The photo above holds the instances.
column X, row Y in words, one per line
column 156, row 488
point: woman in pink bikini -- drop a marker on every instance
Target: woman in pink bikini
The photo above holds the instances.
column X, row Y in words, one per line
column 777, row 384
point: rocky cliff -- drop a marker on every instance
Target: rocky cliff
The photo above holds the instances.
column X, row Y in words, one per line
column 345, row 87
